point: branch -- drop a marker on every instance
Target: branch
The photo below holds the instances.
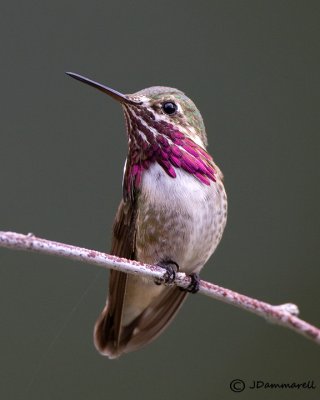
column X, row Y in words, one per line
column 284, row 314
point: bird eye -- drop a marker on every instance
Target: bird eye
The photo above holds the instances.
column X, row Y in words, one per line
column 169, row 107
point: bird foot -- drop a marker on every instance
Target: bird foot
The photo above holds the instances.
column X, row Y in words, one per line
column 194, row 284
column 169, row 276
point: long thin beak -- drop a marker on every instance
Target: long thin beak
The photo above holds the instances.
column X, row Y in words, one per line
column 122, row 98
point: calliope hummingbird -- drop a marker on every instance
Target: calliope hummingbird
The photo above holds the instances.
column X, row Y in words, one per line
column 172, row 214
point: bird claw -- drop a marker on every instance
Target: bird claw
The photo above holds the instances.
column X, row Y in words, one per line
column 194, row 285
column 169, row 276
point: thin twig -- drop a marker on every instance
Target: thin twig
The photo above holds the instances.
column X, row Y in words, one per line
column 285, row 314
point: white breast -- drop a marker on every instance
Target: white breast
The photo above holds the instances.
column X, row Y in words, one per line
column 179, row 218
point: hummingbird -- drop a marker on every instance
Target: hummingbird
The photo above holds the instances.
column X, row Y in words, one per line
column 172, row 213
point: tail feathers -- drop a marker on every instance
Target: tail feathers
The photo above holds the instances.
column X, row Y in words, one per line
column 145, row 328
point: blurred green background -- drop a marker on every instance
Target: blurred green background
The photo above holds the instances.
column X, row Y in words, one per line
column 252, row 67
